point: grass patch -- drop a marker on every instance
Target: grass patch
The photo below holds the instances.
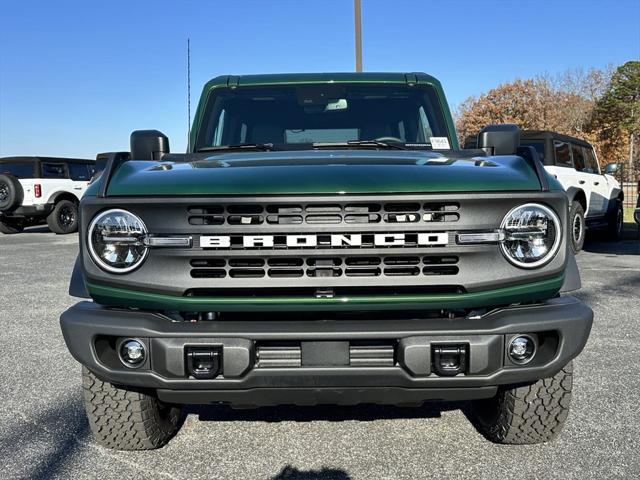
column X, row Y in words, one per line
column 628, row 214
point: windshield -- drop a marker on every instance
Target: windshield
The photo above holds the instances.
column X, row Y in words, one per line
column 289, row 116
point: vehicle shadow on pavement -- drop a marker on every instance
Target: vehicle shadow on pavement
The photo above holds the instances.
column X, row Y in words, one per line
column 327, row 413
column 56, row 433
column 292, row 473
column 626, row 247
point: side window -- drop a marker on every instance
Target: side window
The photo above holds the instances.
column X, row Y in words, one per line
column 539, row 146
column 563, row 156
column 590, row 160
column 578, row 157
column 79, row 172
column 53, row 170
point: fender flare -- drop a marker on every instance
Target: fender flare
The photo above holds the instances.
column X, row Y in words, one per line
column 55, row 196
column 572, row 281
column 77, row 286
column 572, row 192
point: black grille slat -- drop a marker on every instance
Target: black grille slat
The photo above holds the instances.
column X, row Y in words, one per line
column 324, row 267
column 209, row 273
column 412, row 213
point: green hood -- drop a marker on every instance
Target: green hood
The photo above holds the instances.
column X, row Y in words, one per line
column 324, row 172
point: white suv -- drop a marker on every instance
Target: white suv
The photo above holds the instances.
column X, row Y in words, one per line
column 35, row 189
column 596, row 199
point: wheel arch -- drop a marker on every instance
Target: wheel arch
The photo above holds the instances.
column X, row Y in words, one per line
column 578, row 195
column 63, row 195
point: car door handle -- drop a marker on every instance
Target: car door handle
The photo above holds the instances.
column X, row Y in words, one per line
column 581, row 182
column 596, row 183
column 77, row 188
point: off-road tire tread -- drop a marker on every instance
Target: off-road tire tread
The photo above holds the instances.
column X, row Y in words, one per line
column 611, row 233
column 52, row 219
column 11, row 228
column 528, row 414
column 126, row 419
column 576, row 247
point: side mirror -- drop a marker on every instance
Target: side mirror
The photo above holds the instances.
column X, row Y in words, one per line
column 611, row 168
column 148, row 145
column 499, row 139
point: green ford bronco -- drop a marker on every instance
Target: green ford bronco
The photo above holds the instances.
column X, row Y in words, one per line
column 324, row 240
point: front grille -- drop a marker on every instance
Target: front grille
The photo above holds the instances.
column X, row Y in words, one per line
column 290, row 354
column 324, row 214
column 325, row 267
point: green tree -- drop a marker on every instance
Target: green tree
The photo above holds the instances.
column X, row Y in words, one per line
column 617, row 113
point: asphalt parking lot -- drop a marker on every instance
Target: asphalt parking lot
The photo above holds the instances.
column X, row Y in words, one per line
column 44, row 434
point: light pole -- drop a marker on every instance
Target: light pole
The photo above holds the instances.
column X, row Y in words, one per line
column 357, row 7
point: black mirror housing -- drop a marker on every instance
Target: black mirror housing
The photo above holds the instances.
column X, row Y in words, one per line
column 148, row 145
column 499, row 139
column 611, row 168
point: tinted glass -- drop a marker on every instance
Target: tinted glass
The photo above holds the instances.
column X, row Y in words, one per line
column 101, row 163
column 18, row 170
column 539, row 146
column 563, row 155
column 321, row 113
column 79, row 171
column 53, row 170
column 591, row 163
column 578, row 157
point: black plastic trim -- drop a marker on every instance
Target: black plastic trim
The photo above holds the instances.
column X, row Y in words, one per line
column 572, row 281
column 114, row 160
column 77, row 286
column 567, row 317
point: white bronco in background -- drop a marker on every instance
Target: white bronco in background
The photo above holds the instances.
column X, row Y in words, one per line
column 38, row 189
column 596, row 199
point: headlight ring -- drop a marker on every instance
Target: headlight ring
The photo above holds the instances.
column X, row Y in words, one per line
column 115, row 240
column 533, row 235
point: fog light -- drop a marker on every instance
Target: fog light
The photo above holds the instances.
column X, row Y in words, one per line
column 132, row 353
column 522, row 349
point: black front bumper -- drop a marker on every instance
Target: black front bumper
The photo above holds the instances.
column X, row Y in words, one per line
column 560, row 326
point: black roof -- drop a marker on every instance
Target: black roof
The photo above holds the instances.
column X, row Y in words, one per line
column 45, row 159
column 547, row 134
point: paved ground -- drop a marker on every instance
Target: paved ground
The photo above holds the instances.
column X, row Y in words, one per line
column 43, row 432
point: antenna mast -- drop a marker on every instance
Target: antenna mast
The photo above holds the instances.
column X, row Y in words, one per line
column 188, row 94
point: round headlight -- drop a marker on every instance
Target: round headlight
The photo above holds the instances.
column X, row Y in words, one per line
column 532, row 235
column 116, row 241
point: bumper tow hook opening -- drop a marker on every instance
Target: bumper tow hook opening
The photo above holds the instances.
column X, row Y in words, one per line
column 203, row 362
column 449, row 360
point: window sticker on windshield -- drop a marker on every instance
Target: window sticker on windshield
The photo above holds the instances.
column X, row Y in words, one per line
column 439, row 143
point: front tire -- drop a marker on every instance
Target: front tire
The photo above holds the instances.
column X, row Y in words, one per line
column 10, row 228
column 63, row 218
column 127, row 419
column 527, row 414
column 577, row 226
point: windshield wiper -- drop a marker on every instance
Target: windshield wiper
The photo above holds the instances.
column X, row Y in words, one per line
column 361, row 143
column 264, row 147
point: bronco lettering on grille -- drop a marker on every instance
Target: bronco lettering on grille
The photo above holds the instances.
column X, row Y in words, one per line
column 326, row 240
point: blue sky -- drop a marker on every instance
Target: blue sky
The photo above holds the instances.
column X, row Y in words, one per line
column 76, row 77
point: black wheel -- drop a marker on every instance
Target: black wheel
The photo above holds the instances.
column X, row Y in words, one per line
column 615, row 225
column 527, row 414
column 11, row 193
column 64, row 217
column 577, row 226
column 9, row 227
column 127, row 419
